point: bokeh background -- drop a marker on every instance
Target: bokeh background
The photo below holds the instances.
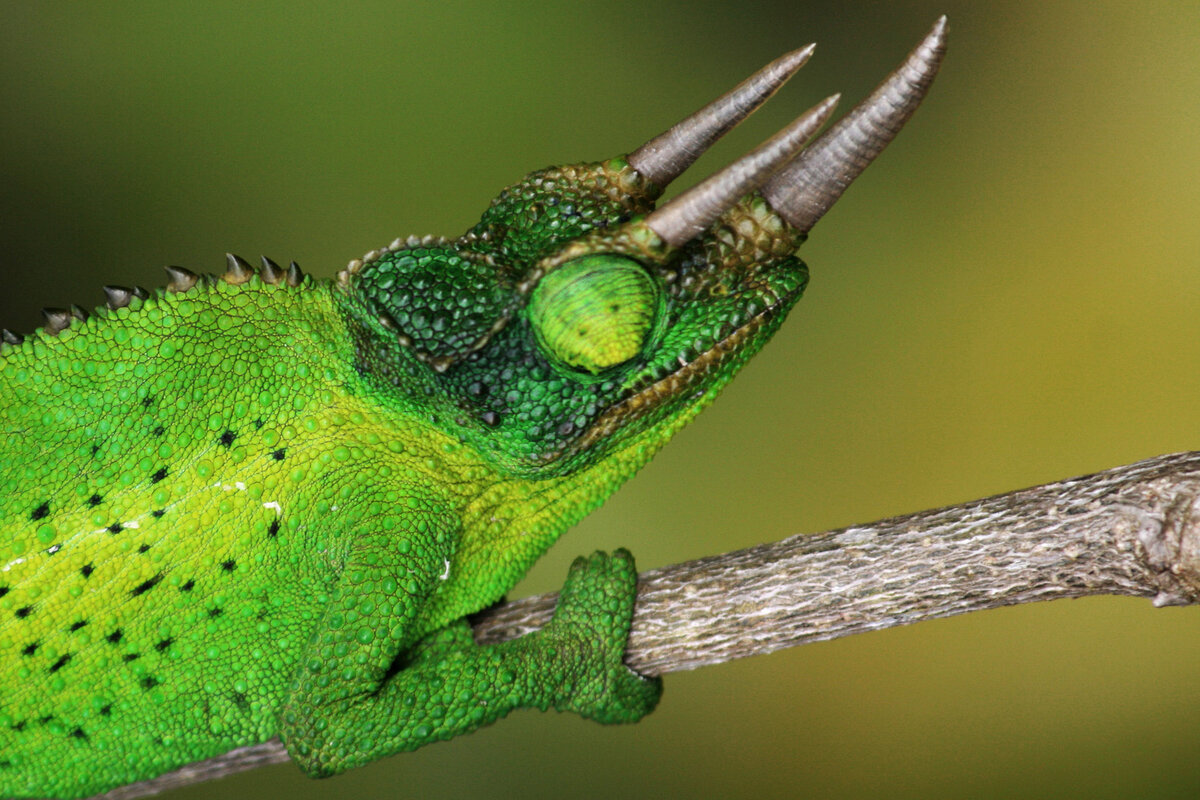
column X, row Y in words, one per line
column 1010, row 296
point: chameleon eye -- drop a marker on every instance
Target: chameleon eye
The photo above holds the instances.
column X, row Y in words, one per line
column 595, row 312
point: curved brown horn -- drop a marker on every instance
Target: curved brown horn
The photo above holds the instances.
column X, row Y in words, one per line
column 691, row 213
column 666, row 156
column 802, row 191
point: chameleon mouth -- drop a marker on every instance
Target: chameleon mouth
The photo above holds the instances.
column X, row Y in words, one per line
column 678, row 382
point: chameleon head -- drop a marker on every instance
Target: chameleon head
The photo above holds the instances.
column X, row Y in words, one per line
column 577, row 318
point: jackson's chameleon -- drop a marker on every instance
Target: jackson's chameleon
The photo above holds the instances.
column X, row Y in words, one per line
column 261, row 505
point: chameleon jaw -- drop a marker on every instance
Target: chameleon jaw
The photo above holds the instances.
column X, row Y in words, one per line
column 677, row 382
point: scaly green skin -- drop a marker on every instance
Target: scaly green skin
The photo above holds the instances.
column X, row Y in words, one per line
column 249, row 509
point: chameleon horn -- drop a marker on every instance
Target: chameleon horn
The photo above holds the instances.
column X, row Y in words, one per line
column 691, row 213
column 666, row 156
column 802, row 191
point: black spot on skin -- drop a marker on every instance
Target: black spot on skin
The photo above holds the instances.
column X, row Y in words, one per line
column 273, row 529
column 147, row 401
column 29, row 649
column 5, row 763
column 114, row 637
column 157, row 513
column 279, row 454
column 77, row 625
column 239, row 700
column 258, row 423
column 187, row 587
column 3, row 591
column 227, row 438
column 86, row 570
column 159, row 431
column 143, row 548
column 46, row 720
column 164, row 644
column 214, row 613
column 24, row 611
column 19, row 726
column 131, row 657
column 149, row 682
column 79, row 734
column 146, row 585
column 229, row 566
column 41, row 512
column 95, row 450
column 62, row 662
column 95, row 500
column 106, row 710
column 115, row 528
column 158, row 476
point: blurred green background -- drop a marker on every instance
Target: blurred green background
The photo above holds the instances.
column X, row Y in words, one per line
column 1010, row 296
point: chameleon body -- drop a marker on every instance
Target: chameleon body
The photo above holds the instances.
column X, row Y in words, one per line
column 260, row 505
column 232, row 509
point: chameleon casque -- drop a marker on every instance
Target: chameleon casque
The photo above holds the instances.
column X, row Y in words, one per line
column 260, row 505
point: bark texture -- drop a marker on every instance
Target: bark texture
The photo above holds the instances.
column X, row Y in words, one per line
column 1133, row 530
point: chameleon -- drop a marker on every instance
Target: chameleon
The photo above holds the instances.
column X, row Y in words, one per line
column 258, row 504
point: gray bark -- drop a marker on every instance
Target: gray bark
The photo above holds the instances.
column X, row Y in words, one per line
column 1133, row 530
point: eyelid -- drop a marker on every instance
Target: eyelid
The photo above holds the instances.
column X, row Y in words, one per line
column 595, row 312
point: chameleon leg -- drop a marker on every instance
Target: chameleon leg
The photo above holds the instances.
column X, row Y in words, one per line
column 449, row 685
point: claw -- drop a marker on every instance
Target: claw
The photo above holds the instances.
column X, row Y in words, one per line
column 666, row 156
column 803, row 190
column 691, row 213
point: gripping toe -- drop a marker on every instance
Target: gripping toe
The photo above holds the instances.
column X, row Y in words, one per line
column 592, row 621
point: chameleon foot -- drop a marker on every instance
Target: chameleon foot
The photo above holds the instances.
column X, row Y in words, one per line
column 590, row 627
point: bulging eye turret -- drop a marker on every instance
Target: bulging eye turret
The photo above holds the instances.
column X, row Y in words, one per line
column 595, row 312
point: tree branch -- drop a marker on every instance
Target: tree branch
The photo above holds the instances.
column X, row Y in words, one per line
column 1133, row 530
